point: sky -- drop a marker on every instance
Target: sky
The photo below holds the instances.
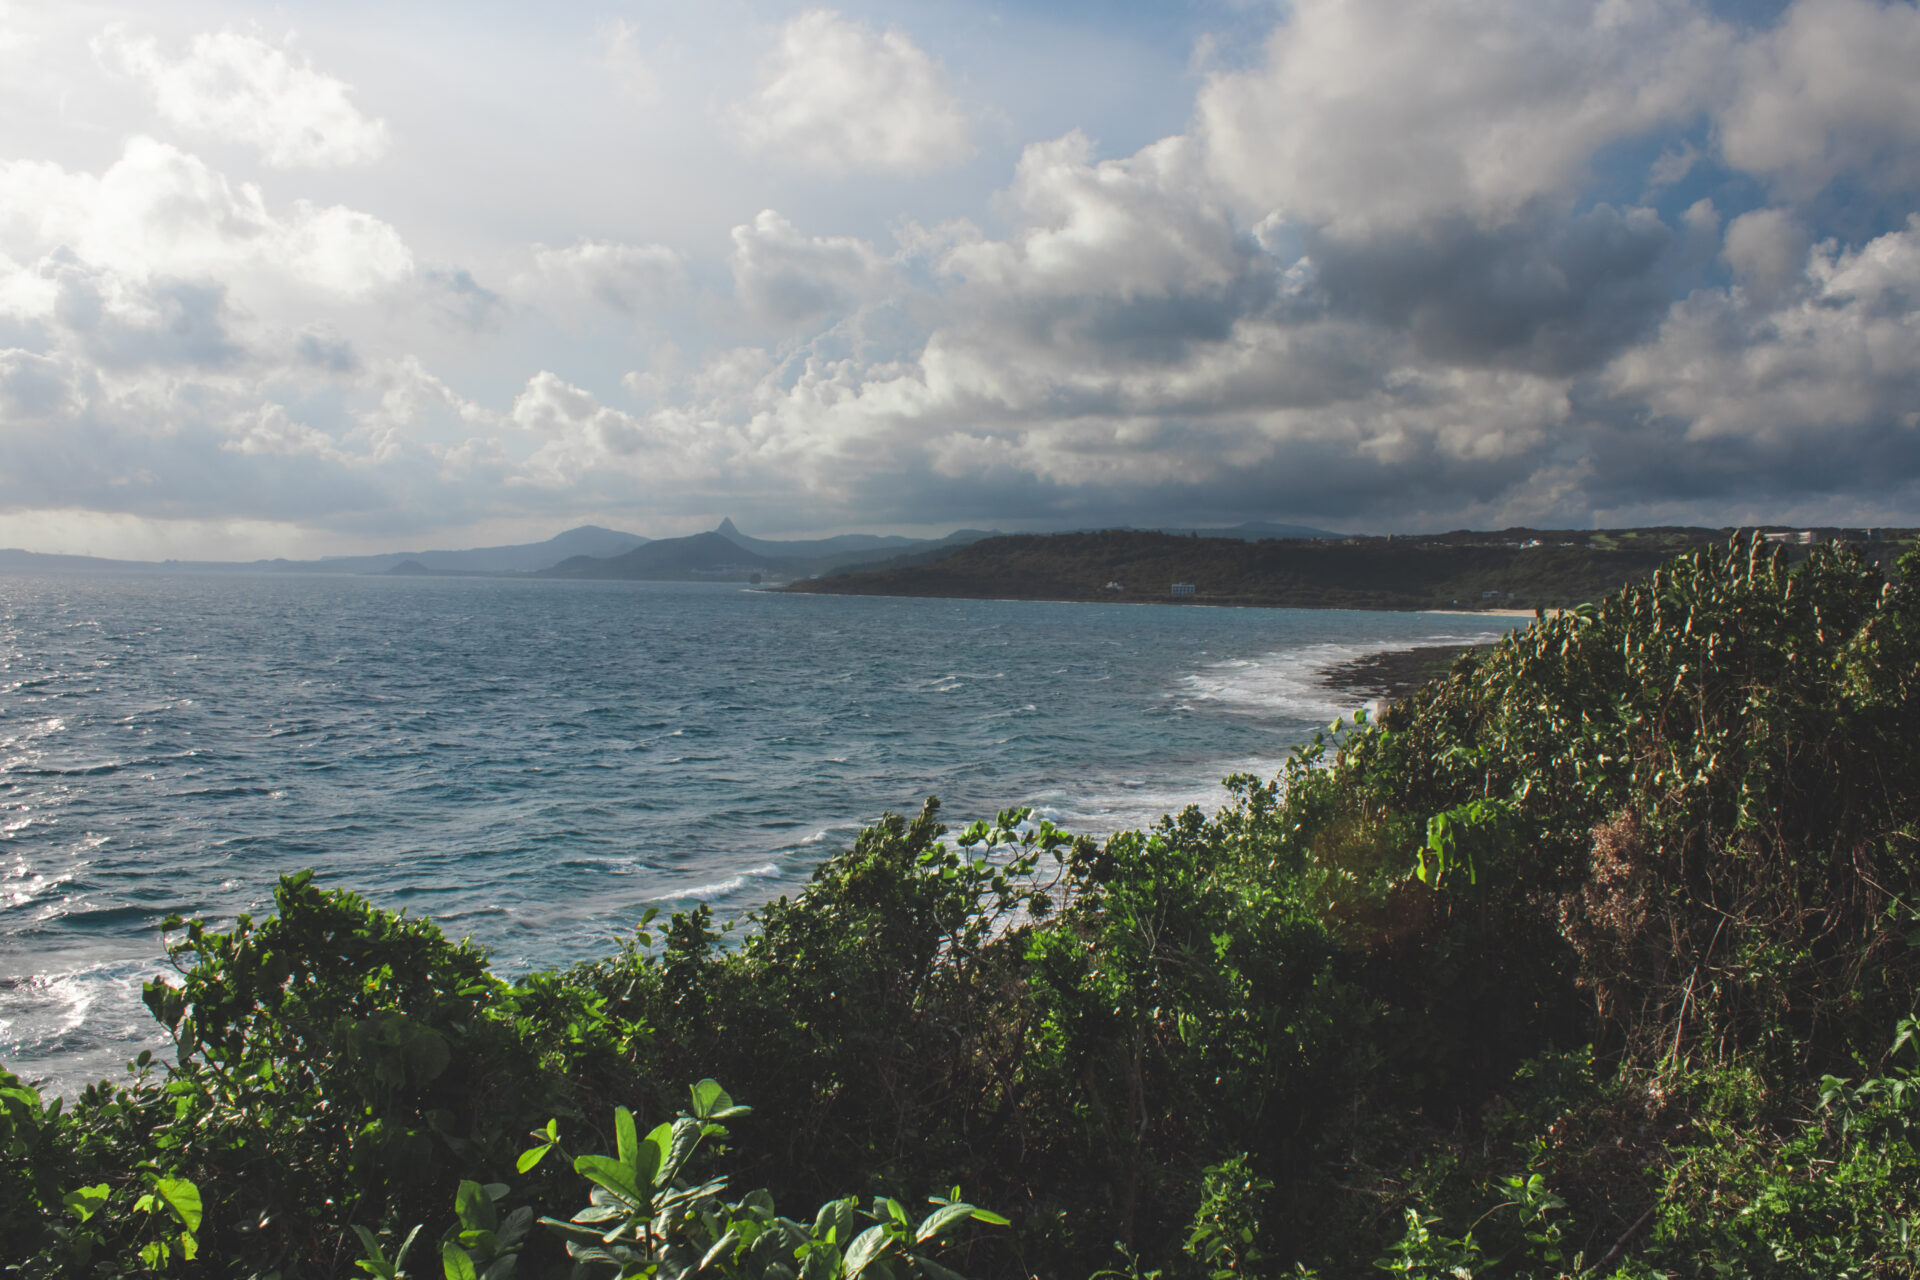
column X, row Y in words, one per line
column 302, row 279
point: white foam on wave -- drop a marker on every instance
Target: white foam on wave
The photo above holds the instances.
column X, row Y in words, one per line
column 1291, row 682
column 1286, row 684
column 721, row 888
column 22, row 885
column 66, row 1028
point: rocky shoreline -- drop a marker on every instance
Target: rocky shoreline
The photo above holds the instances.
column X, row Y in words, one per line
column 1393, row 673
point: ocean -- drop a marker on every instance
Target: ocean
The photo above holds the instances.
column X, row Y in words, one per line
column 536, row 763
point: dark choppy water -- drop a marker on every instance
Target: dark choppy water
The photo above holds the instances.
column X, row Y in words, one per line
column 535, row 763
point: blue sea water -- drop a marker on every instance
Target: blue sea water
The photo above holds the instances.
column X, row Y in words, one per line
column 536, row 763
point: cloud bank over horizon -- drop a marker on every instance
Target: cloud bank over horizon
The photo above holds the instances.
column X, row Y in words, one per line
column 376, row 280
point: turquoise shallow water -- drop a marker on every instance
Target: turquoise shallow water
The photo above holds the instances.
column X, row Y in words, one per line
column 535, row 763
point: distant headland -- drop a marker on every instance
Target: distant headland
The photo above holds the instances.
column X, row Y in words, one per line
column 1258, row 564
column 1517, row 569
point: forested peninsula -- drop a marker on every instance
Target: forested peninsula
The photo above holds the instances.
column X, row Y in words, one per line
column 1596, row 957
column 1512, row 568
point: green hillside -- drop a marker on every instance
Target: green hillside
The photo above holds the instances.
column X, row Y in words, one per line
column 1514, row 568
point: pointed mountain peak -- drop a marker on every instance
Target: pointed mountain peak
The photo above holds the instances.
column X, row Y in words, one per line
column 727, row 529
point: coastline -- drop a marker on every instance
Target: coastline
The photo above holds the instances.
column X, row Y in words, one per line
column 1391, row 674
column 796, row 588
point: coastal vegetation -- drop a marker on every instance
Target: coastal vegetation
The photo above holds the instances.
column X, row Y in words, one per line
column 1596, row 957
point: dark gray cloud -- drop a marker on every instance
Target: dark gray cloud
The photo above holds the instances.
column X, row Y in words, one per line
column 1547, row 293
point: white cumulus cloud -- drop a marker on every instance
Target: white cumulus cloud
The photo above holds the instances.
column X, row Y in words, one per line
column 836, row 96
column 159, row 211
column 786, row 276
column 1834, row 89
column 239, row 88
column 1375, row 114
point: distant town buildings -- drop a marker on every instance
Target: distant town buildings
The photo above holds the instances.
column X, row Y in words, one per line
column 1182, row 589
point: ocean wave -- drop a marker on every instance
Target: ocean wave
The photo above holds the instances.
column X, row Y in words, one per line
column 721, row 888
column 77, row 1024
column 1291, row 683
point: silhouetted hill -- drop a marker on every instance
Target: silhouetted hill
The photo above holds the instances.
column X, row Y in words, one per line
column 816, row 548
column 1514, row 568
column 587, row 540
column 529, row 557
column 726, row 552
column 703, row 555
column 1254, row 531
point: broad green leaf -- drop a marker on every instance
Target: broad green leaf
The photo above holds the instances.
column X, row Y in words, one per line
column 941, row 1220
column 86, row 1201
column 531, row 1157
column 457, row 1262
column 834, row 1222
column 628, row 1146
column 514, row 1229
column 654, row 1154
column 685, row 1136
column 708, row 1097
column 865, row 1248
column 721, row 1247
column 989, row 1217
column 183, row 1198
column 474, row 1207
column 615, row 1176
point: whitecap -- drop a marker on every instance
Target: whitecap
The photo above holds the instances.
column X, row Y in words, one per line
column 720, row 888
column 1291, row 682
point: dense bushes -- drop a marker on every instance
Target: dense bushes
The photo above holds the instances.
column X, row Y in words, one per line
column 1597, row 957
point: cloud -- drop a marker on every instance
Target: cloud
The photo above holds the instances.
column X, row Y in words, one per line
column 1831, row 90
column 238, row 88
column 158, row 211
column 632, row 70
column 458, row 300
column 1395, row 272
column 1549, row 293
column 836, row 97
column 1809, row 391
column 1767, row 251
column 628, row 278
column 37, row 389
column 784, row 276
column 1139, row 226
column 1371, row 114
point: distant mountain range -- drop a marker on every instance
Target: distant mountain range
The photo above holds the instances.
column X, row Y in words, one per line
column 1253, row 531
column 726, row 554
column 586, row 552
column 529, row 557
column 590, row 551
column 587, row 540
